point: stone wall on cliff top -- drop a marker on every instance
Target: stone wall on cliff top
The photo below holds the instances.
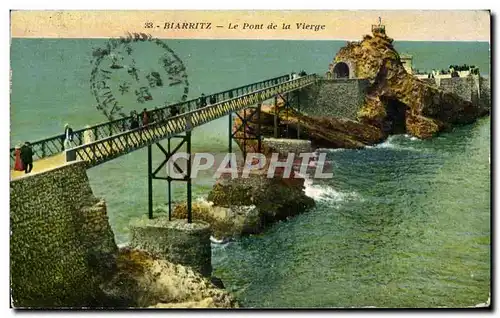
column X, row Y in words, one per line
column 463, row 87
column 59, row 235
column 485, row 92
column 345, row 97
column 336, row 98
column 474, row 88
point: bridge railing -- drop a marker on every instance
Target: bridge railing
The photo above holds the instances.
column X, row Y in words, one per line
column 114, row 146
column 53, row 145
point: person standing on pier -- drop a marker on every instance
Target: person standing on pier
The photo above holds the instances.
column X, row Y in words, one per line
column 27, row 157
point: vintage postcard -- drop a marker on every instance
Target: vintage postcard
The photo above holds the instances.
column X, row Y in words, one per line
column 250, row 159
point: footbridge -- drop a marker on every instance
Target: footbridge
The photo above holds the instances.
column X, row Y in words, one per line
column 114, row 139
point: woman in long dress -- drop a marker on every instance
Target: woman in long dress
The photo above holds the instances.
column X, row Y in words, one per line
column 18, row 165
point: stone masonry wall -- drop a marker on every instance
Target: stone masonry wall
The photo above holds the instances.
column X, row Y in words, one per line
column 485, row 92
column 463, row 87
column 176, row 241
column 338, row 98
column 285, row 146
column 60, row 236
column 344, row 97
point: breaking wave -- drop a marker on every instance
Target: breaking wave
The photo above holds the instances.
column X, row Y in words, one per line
column 412, row 138
column 392, row 143
column 327, row 193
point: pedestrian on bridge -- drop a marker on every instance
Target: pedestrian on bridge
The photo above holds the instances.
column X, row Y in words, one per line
column 161, row 115
column 213, row 99
column 27, row 157
column 154, row 115
column 202, row 101
column 145, row 117
column 68, row 136
column 134, row 123
column 174, row 111
column 88, row 135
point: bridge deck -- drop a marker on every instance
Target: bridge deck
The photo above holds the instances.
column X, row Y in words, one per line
column 59, row 159
column 41, row 165
column 120, row 141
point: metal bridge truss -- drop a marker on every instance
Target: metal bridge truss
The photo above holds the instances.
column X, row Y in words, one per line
column 55, row 145
column 244, row 126
column 291, row 100
column 114, row 140
column 117, row 145
column 185, row 139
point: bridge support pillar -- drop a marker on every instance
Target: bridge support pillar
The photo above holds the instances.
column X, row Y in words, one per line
column 258, row 135
column 150, row 183
column 230, row 146
column 171, row 166
column 288, row 99
column 286, row 103
column 169, row 189
column 247, row 134
column 188, row 178
column 244, row 134
column 287, row 109
column 176, row 241
column 298, row 110
column 276, row 112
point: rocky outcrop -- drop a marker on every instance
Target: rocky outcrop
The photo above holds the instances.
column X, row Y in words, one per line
column 176, row 241
column 142, row 280
column 225, row 222
column 398, row 102
column 239, row 206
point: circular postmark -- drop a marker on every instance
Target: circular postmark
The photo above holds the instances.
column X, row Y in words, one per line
column 135, row 72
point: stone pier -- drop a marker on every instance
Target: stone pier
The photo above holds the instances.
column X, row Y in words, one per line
column 285, row 146
column 176, row 241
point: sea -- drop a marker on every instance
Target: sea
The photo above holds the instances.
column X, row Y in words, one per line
column 406, row 223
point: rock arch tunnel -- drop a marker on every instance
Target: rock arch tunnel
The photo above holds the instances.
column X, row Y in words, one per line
column 395, row 121
column 341, row 70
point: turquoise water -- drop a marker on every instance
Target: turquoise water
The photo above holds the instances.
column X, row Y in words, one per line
column 403, row 224
column 406, row 223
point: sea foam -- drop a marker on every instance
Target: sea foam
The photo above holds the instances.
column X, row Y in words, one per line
column 327, row 193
